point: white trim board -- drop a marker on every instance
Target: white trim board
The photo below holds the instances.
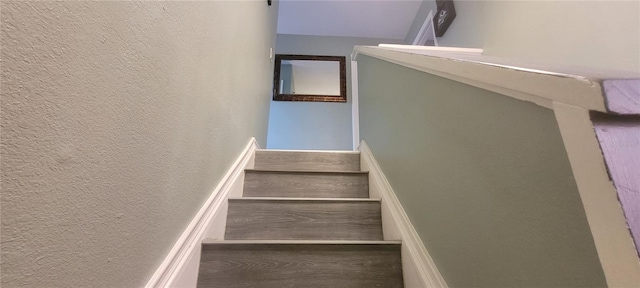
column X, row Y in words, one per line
column 611, row 236
column 426, row 32
column 540, row 84
column 426, row 49
column 418, row 268
column 355, row 110
column 180, row 267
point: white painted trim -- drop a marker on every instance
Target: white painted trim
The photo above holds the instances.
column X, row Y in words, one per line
column 180, row 266
column 312, row 151
column 415, row 48
column 616, row 250
column 355, row 111
column 540, row 84
column 425, row 31
column 419, row 270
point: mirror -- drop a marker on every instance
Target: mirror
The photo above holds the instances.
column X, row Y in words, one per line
column 310, row 78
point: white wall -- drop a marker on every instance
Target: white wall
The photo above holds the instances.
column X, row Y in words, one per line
column 599, row 34
column 118, row 121
column 314, row 125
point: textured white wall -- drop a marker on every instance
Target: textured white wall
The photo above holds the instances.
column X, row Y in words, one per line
column 315, row 125
column 118, row 120
column 599, row 34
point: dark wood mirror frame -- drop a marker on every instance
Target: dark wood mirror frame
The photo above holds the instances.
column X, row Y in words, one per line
column 277, row 96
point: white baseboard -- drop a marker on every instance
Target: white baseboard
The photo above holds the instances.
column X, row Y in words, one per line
column 418, row 268
column 180, row 267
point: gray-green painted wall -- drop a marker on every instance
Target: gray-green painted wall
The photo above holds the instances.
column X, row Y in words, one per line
column 483, row 177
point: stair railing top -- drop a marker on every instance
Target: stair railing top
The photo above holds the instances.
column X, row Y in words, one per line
column 600, row 90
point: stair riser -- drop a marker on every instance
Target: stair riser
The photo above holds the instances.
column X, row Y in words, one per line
column 266, row 266
column 303, row 220
column 307, row 161
column 306, row 223
column 321, row 185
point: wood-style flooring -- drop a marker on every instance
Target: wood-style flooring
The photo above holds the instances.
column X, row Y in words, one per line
column 305, row 220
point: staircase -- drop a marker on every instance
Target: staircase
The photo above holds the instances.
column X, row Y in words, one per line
column 305, row 220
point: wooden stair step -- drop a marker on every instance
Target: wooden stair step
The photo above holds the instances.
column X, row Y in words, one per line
column 262, row 218
column 307, row 160
column 268, row 264
column 329, row 184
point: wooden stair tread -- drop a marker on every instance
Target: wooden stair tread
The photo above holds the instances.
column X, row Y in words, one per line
column 336, row 264
column 304, row 218
column 304, row 171
column 310, row 151
column 307, row 160
column 209, row 241
column 265, row 183
column 305, row 199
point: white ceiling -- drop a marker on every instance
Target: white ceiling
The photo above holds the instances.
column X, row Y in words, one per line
column 389, row 19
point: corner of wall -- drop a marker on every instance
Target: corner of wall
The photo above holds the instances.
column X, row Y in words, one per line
column 421, row 16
